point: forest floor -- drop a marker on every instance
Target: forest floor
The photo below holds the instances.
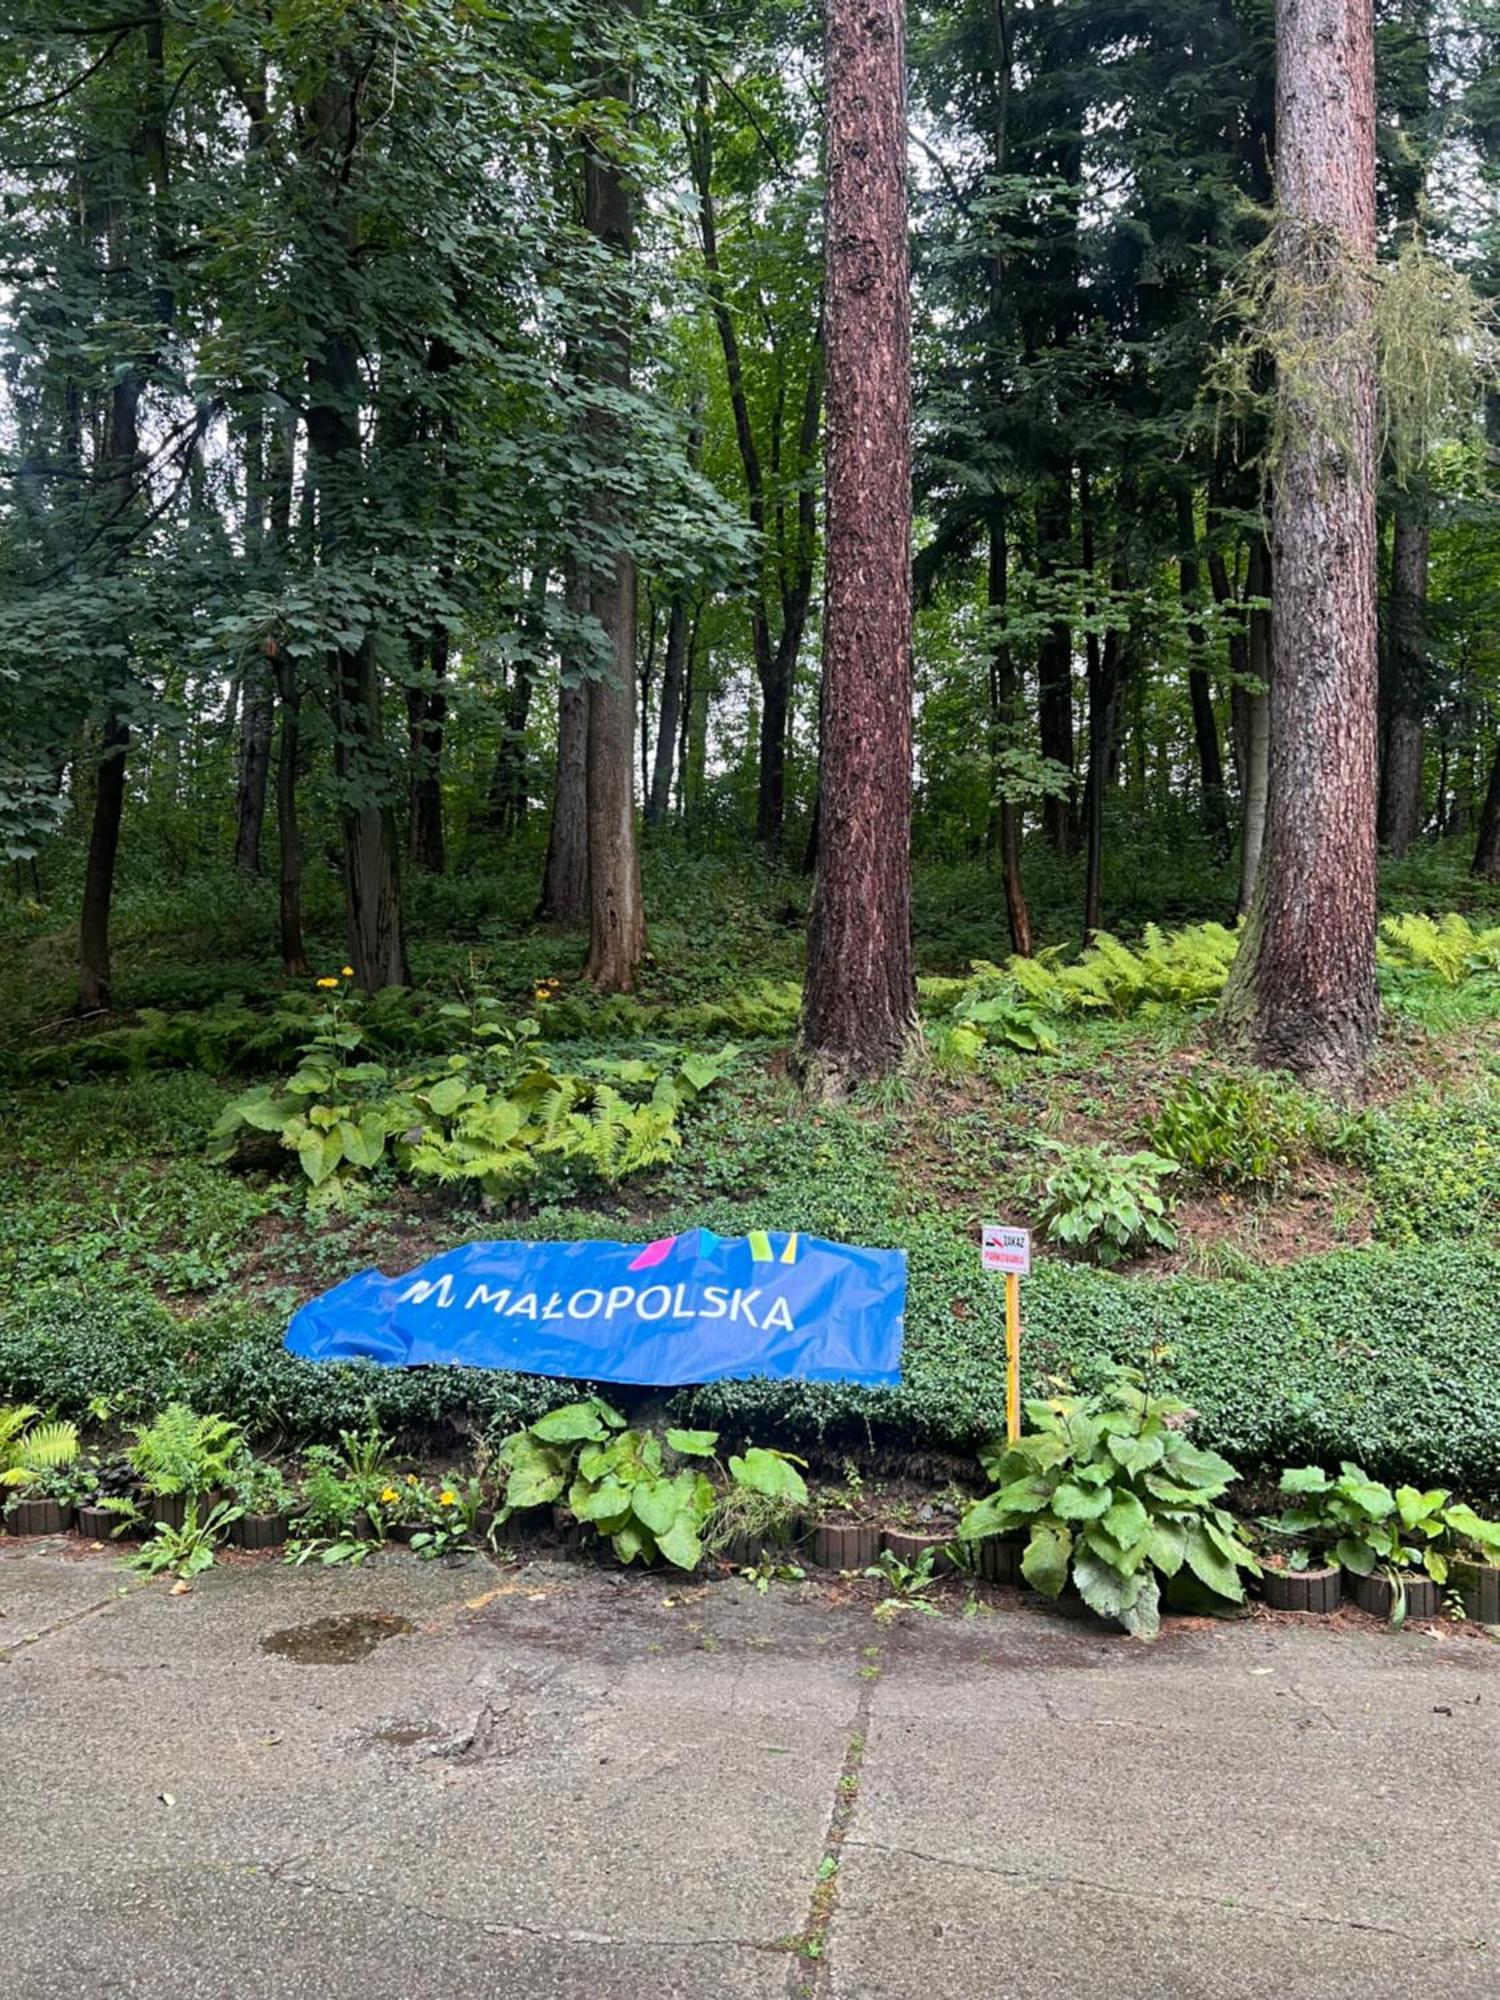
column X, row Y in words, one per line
column 481, row 1780
column 106, row 1196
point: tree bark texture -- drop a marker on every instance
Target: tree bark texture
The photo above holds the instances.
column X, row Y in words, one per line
column 99, row 870
column 1302, row 993
column 1005, row 696
column 1200, row 694
column 859, row 1004
column 669, row 712
column 289, row 838
column 1255, row 723
column 427, row 715
column 1401, row 769
column 1054, row 667
column 565, row 877
column 617, row 918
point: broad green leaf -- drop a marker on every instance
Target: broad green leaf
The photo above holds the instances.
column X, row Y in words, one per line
column 320, row 1153
column 657, row 1505
column 770, row 1473
column 1356, row 1555
column 681, row 1545
column 1142, row 1617
column 1127, row 1520
column 1103, row 1589
column 1304, row 1479
column 537, row 1475
column 693, row 1444
column 444, row 1098
column 1135, row 1454
column 1168, row 1546
column 1045, row 1562
column 1211, row 1567
column 1081, row 1503
column 570, row 1423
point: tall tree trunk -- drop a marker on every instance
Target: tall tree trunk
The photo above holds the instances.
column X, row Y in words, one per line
column 669, row 716
column 1054, row 667
column 427, row 714
column 859, row 1003
column 1004, row 702
column 1487, row 851
column 257, row 714
column 1302, row 993
column 565, row 878
column 1200, row 695
column 1257, row 725
column 289, row 838
column 371, row 882
column 617, row 918
column 99, row 870
column 1401, row 770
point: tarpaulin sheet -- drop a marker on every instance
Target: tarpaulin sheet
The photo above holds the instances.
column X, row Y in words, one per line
column 689, row 1308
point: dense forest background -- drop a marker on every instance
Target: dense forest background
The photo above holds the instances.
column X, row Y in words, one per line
column 375, row 375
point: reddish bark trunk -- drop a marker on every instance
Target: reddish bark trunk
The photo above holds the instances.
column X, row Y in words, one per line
column 1302, row 994
column 859, row 1005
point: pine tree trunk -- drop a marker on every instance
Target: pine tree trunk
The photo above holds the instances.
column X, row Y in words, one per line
column 1487, row 852
column 617, row 918
column 1401, row 770
column 1302, row 993
column 859, row 1003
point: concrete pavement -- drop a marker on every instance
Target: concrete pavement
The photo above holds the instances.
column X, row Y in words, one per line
column 413, row 1780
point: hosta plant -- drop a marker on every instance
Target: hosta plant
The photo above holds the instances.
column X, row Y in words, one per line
column 1110, row 1493
column 1105, row 1206
column 649, row 1497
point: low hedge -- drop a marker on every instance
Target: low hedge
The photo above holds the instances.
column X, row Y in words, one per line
column 1390, row 1359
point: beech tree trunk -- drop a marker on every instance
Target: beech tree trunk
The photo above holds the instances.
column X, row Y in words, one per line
column 617, row 920
column 1054, row 667
column 427, row 714
column 377, row 949
column 1302, row 993
column 1004, row 702
column 1487, row 852
column 1200, row 694
column 669, row 715
column 859, row 1002
column 565, row 877
column 1401, row 770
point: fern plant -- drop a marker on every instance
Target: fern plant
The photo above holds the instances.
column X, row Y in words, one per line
column 182, row 1452
column 29, row 1448
column 1448, row 947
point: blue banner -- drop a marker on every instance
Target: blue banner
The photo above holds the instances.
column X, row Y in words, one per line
column 689, row 1308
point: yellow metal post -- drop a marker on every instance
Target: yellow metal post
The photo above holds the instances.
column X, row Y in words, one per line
column 1012, row 1356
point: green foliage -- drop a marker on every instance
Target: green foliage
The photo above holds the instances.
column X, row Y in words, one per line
column 1185, row 968
column 186, row 1551
column 1111, row 1494
column 1449, row 947
column 1433, row 1165
column 1361, row 1524
column 494, row 1112
column 1107, row 1206
column 180, row 1451
column 1237, row 1131
column 29, row 1449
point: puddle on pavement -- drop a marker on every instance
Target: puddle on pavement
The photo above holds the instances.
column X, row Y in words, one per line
column 335, row 1642
column 404, row 1735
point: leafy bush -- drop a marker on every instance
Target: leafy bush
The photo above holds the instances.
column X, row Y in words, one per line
column 1434, row 1167
column 494, row 1111
column 1235, row 1130
column 1105, row 1205
column 1111, row 1493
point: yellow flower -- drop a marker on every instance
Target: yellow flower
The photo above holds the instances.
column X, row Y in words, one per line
column 327, row 985
column 411, row 1479
column 348, row 971
column 542, row 994
column 447, row 1499
column 389, row 1494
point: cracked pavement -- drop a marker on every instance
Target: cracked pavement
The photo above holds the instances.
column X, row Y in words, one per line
column 558, row 1781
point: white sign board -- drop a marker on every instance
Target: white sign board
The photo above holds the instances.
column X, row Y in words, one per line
column 1005, row 1249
